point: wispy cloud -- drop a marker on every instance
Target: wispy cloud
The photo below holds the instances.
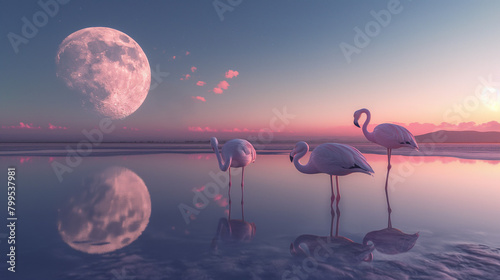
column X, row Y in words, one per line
column 200, row 83
column 420, row 128
column 416, row 128
column 193, row 69
column 52, row 127
column 201, row 129
column 199, row 98
column 186, row 77
column 187, row 53
column 238, row 130
column 218, row 91
column 21, row 126
column 231, row 74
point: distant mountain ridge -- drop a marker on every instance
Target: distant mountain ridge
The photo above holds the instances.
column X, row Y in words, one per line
column 445, row 136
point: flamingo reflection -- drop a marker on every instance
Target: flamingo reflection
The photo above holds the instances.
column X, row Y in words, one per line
column 232, row 230
column 332, row 248
column 391, row 240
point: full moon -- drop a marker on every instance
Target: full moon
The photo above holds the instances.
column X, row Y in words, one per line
column 107, row 67
column 108, row 212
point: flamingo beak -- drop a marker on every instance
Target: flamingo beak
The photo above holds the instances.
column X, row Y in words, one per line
column 356, row 123
column 291, row 158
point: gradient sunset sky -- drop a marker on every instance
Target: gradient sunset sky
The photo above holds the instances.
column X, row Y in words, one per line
column 421, row 70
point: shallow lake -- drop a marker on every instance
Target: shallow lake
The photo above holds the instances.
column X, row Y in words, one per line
column 148, row 215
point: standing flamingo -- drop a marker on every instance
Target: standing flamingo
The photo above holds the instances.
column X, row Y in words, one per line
column 235, row 153
column 388, row 135
column 332, row 159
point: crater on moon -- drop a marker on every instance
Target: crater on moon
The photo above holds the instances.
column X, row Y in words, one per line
column 107, row 67
column 108, row 212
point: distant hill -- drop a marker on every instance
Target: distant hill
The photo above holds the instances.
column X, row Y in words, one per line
column 444, row 136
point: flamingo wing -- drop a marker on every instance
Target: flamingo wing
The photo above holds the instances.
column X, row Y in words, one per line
column 249, row 150
column 339, row 159
column 394, row 136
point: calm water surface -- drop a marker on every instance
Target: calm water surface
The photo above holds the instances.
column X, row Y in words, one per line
column 165, row 216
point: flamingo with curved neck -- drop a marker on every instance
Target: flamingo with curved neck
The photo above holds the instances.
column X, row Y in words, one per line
column 332, row 159
column 390, row 136
column 235, row 153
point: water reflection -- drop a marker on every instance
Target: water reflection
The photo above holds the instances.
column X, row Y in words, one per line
column 391, row 240
column 333, row 248
column 232, row 230
column 107, row 212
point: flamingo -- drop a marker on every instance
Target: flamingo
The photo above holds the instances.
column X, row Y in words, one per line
column 333, row 159
column 390, row 136
column 235, row 153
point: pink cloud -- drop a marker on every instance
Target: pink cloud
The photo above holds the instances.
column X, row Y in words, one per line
column 52, row 127
column 187, row 53
column 230, row 74
column 193, row 69
column 186, row 77
column 239, row 130
column 223, row 85
column 25, row 159
column 199, row 98
column 173, row 57
column 201, row 129
column 200, row 189
column 22, row 126
column 422, row 128
column 201, row 83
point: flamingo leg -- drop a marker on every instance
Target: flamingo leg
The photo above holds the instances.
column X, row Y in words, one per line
column 387, row 181
column 338, row 191
column 337, row 206
column 389, row 151
column 229, row 193
column 389, row 223
column 332, row 199
column 242, row 184
column 338, row 222
column 331, row 206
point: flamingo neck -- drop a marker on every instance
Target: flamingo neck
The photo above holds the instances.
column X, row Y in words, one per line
column 368, row 135
column 309, row 168
column 223, row 166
